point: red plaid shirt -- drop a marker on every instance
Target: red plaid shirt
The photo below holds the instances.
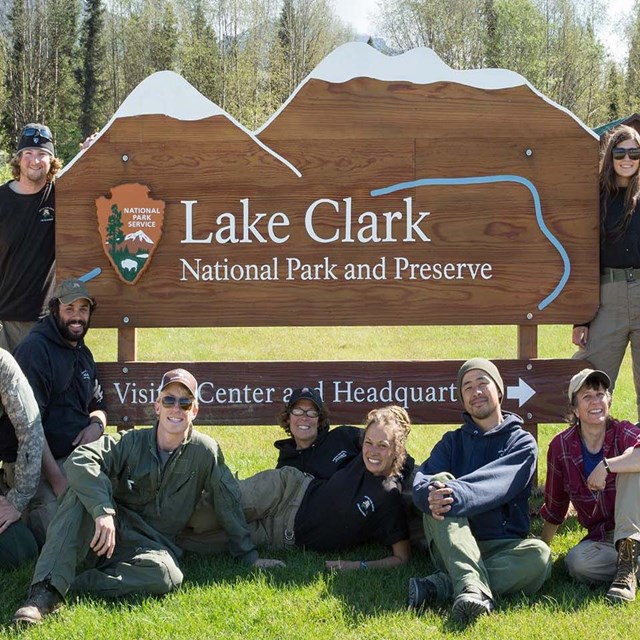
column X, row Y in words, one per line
column 566, row 481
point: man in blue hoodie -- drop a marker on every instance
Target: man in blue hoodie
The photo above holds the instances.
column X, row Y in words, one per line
column 474, row 491
column 62, row 373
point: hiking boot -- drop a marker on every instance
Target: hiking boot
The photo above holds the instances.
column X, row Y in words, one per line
column 422, row 592
column 623, row 587
column 43, row 599
column 470, row 605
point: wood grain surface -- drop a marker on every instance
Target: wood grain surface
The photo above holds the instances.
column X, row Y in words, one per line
column 251, row 393
column 349, row 140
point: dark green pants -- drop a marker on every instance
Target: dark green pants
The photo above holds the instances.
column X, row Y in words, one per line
column 17, row 545
column 497, row 567
column 143, row 561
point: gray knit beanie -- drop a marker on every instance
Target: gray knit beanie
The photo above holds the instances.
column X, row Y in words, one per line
column 484, row 365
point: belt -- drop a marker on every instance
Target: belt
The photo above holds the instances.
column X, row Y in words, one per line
column 619, row 275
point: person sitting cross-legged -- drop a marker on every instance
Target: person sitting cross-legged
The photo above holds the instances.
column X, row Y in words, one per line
column 474, row 490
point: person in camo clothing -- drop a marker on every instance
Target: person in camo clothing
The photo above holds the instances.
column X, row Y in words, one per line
column 19, row 413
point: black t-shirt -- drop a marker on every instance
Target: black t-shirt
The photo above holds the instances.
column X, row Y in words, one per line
column 620, row 251
column 27, row 248
column 350, row 508
column 331, row 451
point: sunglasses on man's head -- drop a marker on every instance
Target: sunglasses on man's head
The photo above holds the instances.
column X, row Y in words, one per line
column 170, row 401
column 619, row 153
column 32, row 132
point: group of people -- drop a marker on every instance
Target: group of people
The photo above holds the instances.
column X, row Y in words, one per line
column 113, row 516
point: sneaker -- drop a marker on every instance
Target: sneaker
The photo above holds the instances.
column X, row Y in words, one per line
column 422, row 592
column 43, row 599
column 470, row 605
column 623, row 587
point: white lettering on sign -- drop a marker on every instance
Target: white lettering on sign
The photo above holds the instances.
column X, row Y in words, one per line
column 237, row 230
column 345, row 391
column 366, row 227
column 405, row 270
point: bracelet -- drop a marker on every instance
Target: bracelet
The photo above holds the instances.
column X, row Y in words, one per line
column 363, row 564
column 605, row 464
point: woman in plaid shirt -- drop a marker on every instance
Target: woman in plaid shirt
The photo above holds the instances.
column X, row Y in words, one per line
column 595, row 465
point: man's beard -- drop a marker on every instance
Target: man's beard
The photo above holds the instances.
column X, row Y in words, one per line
column 67, row 334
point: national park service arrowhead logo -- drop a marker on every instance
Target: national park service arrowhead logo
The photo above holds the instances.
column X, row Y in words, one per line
column 130, row 225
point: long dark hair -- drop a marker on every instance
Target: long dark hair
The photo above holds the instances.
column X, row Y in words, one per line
column 608, row 186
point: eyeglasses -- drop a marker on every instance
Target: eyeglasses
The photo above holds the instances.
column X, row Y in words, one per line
column 312, row 413
column 619, row 153
column 170, row 401
column 31, row 132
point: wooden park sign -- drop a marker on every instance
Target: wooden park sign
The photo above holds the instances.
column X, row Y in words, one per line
column 386, row 190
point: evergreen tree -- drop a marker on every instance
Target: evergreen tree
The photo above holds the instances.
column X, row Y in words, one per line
column 90, row 75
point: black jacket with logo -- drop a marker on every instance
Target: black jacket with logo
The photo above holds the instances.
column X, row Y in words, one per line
column 65, row 384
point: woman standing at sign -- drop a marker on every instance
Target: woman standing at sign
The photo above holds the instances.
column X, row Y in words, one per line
column 604, row 340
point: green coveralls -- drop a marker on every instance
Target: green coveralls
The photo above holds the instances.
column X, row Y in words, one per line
column 152, row 505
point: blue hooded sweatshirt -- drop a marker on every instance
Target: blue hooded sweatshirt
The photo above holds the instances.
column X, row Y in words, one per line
column 493, row 470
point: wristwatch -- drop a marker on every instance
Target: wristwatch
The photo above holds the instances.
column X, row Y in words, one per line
column 605, row 464
column 98, row 421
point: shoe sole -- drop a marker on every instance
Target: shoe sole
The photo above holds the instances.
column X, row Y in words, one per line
column 617, row 598
column 467, row 611
column 412, row 600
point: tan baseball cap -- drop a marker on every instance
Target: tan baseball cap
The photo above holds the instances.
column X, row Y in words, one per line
column 587, row 374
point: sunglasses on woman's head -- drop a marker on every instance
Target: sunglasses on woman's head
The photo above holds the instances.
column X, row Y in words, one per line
column 619, row 153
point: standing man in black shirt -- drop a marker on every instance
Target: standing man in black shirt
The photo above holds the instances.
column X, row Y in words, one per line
column 27, row 239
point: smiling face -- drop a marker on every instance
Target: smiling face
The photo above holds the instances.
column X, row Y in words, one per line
column 304, row 428
column 173, row 421
column 481, row 398
column 73, row 319
column 378, row 449
column 625, row 168
column 591, row 406
column 34, row 167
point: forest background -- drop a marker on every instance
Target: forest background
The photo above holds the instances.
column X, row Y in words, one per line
column 70, row 63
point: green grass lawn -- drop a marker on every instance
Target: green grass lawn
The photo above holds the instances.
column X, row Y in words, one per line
column 221, row 599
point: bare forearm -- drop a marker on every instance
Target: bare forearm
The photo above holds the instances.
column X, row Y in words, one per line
column 548, row 531
column 626, row 462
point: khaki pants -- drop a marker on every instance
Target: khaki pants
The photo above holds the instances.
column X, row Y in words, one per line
column 595, row 561
column 616, row 324
column 499, row 567
column 270, row 500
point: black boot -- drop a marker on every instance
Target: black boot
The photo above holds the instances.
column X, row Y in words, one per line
column 43, row 599
column 623, row 587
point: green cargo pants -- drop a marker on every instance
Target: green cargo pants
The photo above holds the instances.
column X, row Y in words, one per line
column 498, row 567
column 143, row 560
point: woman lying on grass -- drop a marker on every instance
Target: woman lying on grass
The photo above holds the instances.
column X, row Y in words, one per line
column 359, row 503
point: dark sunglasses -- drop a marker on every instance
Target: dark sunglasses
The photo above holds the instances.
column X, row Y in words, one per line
column 312, row 413
column 170, row 401
column 619, row 153
column 31, row 132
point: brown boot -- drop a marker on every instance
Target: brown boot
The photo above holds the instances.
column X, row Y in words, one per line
column 43, row 599
column 623, row 587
